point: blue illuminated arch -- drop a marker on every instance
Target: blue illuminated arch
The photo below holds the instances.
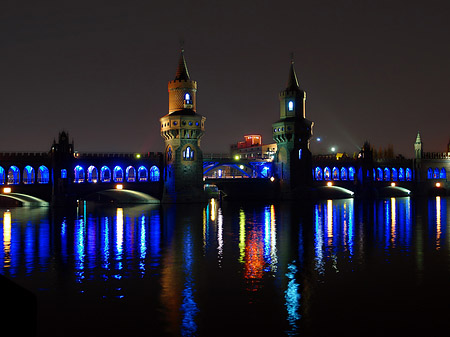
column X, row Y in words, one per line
column 335, row 172
column 142, row 173
column 401, row 174
column 351, row 173
column 79, row 174
column 130, row 173
column 63, row 173
column 318, row 173
column 118, row 174
column 265, row 172
column 154, row 173
column 443, row 174
column 379, row 174
column 387, row 174
column 394, row 174
column 408, row 174
column 13, row 175
column 430, row 173
column 344, row 173
column 2, row 176
column 43, row 175
column 436, row 173
column 28, row 175
column 326, row 173
column 105, row 174
column 92, row 174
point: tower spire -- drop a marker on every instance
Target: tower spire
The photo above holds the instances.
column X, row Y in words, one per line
column 182, row 70
column 292, row 83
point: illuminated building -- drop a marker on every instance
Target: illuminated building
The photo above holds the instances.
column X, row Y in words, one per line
column 253, row 148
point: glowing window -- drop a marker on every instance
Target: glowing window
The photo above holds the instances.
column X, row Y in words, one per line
column 335, row 173
column 43, row 175
column 327, row 173
column 408, row 174
column 142, row 173
column 436, row 173
column 131, row 174
column 79, row 174
column 401, row 174
column 13, row 175
column 63, row 173
column 291, row 106
column 430, row 173
column 265, row 172
column 379, row 174
column 343, row 173
column 187, row 98
column 154, row 173
column 2, row 176
column 387, row 174
column 92, row 174
column 318, row 173
column 169, row 154
column 300, row 154
column 105, row 174
column 351, row 173
column 443, row 174
column 188, row 154
column 394, row 174
column 28, row 175
column 118, row 174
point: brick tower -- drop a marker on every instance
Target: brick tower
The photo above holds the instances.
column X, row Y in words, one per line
column 182, row 129
column 292, row 134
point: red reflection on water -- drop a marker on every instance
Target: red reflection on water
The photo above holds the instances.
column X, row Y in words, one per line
column 254, row 258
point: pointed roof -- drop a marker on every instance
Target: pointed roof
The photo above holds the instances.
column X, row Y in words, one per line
column 418, row 140
column 292, row 83
column 182, row 71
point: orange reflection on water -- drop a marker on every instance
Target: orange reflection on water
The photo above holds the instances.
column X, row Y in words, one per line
column 393, row 222
column 330, row 222
column 438, row 222
column 7, row 238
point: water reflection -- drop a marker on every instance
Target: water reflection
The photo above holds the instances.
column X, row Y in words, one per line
column 189, row 269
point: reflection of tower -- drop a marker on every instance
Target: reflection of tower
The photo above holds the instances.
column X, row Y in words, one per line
column 182, row 129
column 292, row 133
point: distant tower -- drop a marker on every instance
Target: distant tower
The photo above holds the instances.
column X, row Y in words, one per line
column 292, row 134
column 182, row 129
column 418, row 147
column 62, row 153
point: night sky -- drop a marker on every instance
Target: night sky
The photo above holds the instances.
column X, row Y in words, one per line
column 372, row 70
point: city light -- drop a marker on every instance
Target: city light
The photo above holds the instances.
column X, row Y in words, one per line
column 236, row 157
column 393, row 184
column 138, row 155
column 438, row 184
column 333, row 149
column 119, row 187
column 241, row 167
column 7, row 190
column 329, row 184
column 272, row 179
column 318, row 139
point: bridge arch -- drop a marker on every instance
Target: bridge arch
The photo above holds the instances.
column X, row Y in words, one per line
column 43, row 175
column 130, row 174
column 154, row 173
column 28, row 175
column 92, row 174
column 13, row 175
column 118, row 174
column 79, row 174
column 105, row 174
column 142, row 173
column 2, row 176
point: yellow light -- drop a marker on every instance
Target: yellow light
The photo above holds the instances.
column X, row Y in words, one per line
column 393, row 184
column 272, row 178
column 236, row 157
column 119, row 187
column 438, row 184
column 329, row 184
column 138, row 155
column 7, row 190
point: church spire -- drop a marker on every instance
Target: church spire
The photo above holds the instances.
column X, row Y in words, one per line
column 182, row 71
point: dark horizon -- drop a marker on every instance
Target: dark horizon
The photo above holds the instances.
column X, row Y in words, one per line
column 372, row 71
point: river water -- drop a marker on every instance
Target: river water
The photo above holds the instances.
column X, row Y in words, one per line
column 331, row 268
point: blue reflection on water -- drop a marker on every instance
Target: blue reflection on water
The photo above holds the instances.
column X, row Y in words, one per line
column 79, row 249
column 189, row 306
column 292, row 297
column 155, row 239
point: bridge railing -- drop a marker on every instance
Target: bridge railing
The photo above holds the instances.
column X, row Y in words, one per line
column 436, row 155
column 23, row 154
column 213, row 156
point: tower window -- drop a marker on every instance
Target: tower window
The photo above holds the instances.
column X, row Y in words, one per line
column 187, row 98
column 188, row 154
column 291, row 106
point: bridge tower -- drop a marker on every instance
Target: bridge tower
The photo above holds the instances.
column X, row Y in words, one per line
column 182, row 129
column 292, row 133
column 62, row 157
column 418, row 151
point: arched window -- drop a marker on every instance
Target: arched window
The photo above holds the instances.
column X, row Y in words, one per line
column 169, row 154
column 187, row 98
column 265, row 172
column 408, row 174
column 436, row 173
column 79, row 174
column 379, row 174
column 92, row 174
column 443, row 174
column 291, row 106
column 351, row 173
column 2, row 176
column 374, row 174
column 430, row 173
column 105, row 174
column 28, row 175
column 401, row 174
column 326, row 173
column 188, row 154
column 43, row 175
column 142, row 173
column 394, row 174
column 130, row 172
column 63, row 173
column 387, row 174
column 154, row 174
column 318, row 173
column 118, row 174
column 13, row 175
column 335, row 172
column 343, row 173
